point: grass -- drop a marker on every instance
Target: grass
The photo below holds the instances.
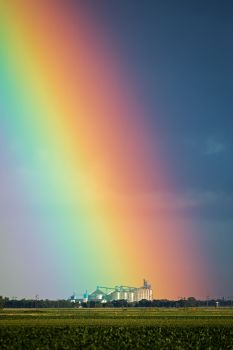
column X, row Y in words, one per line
column 127, row 328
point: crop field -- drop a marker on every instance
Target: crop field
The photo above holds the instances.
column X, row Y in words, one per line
column 126, row 328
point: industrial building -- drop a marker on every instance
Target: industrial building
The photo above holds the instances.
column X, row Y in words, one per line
column 131, row 294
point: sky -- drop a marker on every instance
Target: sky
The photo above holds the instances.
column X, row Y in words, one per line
column 151, row 150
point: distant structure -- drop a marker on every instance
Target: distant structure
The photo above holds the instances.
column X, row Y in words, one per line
column 131, row 294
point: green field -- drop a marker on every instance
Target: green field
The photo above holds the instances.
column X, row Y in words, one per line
column 126, row 328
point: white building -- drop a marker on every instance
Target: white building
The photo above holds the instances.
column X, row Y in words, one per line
column 131, row 294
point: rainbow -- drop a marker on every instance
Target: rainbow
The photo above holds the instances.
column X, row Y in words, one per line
column 84, row 164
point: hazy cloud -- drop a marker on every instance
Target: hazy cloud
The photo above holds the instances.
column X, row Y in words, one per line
column 170, row 205
column 214, row 146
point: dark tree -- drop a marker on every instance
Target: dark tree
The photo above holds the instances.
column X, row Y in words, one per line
column 1, row 302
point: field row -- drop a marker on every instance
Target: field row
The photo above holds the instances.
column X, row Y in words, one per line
column 117, row 317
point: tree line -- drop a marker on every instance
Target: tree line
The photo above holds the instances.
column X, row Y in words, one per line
column 34, row 303
column 46, row 303
column 182, row 303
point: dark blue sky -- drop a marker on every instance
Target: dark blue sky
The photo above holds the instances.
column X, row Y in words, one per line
column 180, row 54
